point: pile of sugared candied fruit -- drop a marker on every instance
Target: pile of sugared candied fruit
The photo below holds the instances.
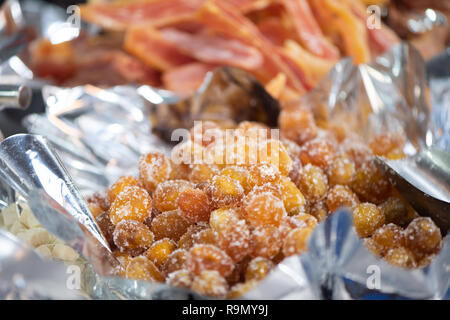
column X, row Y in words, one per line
column 219, row 225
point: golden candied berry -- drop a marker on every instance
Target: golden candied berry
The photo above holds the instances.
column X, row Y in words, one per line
column 258, row 268
column 383, row 144
column 132, row 236
column 202, row 172
column 180, row 278
column 296, row 170
column 222, row 216
column 367, row 218
column 118, row 186
column 341, row 196
column 206, row 132
column 400, row 257
column 423, row 237
column 293, row 199
column 357, row 151
column 133, row 203
column 224, row 191
column 106, row 227
column 154, row 168
column 159, row 251
column 210, row 283
column 194, row 205
column 143, row 269
column 180, row 171
column 234, row 238
column 263, row 209
column 302, row 220
column 318, row 152
column 240, row 174
column 203, row 257
column 313, row 183
column 186, row 240
column 123, row 257
column 297, row 124
column 397, row 211
column 175, row 261
column 205, row 236
column 296, row 241
column 166, row 194
column 274, row 153
column 388, row 237
column 341, row 171
column 187, row 153
column 319, row 210
column 97, row 204
column 263, row 174
column 370, row 184
column 247, row 128
column 373, row 247
column 239, row 289
column 170, row 225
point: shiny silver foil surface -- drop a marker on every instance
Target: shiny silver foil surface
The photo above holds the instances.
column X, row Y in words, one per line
column 100, row 133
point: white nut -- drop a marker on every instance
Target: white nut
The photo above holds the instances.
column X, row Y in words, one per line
column 63, row 252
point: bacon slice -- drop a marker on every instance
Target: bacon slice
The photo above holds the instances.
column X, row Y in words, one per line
column 338, row 19
column 214, row 49
column 274, row 31
column 120, row 15
column 315, row 67
column 133, row 70
column 308, row 30
column 380, row 39
column 153, row 49
column 224, row 19
column 186, row 79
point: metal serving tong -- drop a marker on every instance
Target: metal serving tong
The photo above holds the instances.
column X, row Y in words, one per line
column 424, row 181
column 29, row 164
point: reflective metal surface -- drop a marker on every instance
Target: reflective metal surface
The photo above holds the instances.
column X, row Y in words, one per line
column 424, row 181
column 30, row 165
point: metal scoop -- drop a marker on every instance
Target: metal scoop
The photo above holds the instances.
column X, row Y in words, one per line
column 424, row 181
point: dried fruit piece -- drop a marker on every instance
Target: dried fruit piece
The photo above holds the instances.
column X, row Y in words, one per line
column 222, row 217
column 180, row 278
column 341, row 170
column 205, row 236
column 166, row 194
column 194, row 205
column 370, row 184
column 397, row 211
column 266, row 242
column 341, row 196
column 388, row 237
column 132, row 236
column 202, row 172
column 367, row 218
column 175, row 261
column 293, row 199
column 234, row 238
column 186, row 240
column 154, row 168
column 423, row 237
column 313, row 183
column 238, row 290
column 143, row 269
column 118, row 186
column 133, row 203
column 400, row 257
column 319, row 210
column 203, row 257
column 210, row 283
column 263, row 209
column 318, row 152
column 296, row 241
column 97, row 204
column 159, row 251
column 303, row 220
column 240, row 174
column 170, row 225
column 107, row 227
column 297, row 124
column 258, row 268
column 224, row 191
column 262, row 174
column 275, row 154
